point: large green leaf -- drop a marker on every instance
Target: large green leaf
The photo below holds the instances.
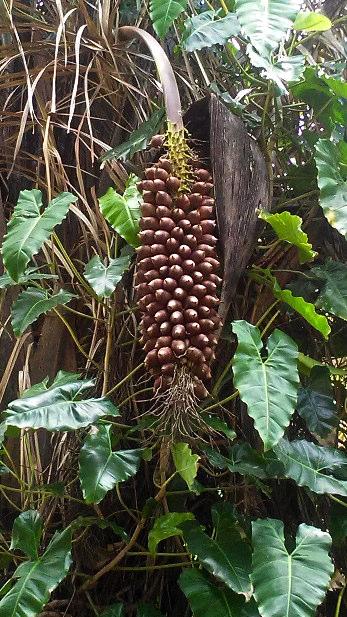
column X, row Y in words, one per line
column 332, row 186
column 32, row 303
column 32, row 274
column 246, row 461
column 287, row 227
column 325, row 95
column 60, row 408
column 29, row 228
column 265, row 22
column 316, row 402
column 321, row 469
column 286, row 69
column 206, row 29
column 312, row 22
column 123, row 211
column 306, row 309
column 207, row 599
column 100, row 468
column 164, row 12
column 26, row 533
column 167, row 526
column 269, row 388
column 225, row 556
column 185, row 462
column 289, row 583
column 333, row 295
column 104, row 279
column 138, row 139
column 38, row 578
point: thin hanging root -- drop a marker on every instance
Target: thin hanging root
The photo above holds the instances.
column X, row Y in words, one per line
column 177, row 409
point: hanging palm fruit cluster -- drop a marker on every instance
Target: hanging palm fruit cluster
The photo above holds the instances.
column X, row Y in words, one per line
column 177, row 278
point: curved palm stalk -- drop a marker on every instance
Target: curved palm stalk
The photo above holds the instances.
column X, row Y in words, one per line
column 165, row 72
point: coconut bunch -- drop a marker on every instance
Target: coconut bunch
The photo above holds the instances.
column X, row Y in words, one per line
column 177, row 274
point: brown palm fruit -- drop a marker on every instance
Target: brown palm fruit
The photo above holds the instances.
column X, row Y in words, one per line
column 177, row 276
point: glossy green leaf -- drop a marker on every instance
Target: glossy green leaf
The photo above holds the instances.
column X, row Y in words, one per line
column 207, row 599
column 33, row 302
column 269, row 388
column 185, row 462
column 167, row 526
column 316, row 402
column 164, row 12
column 288, row 228
column 123, row 211
column 287, row 69
column 332, row 186
column 138, row 139
column 100, row 468
column 324, row 95
column 266, row 23
column 219, row 425
column 289, row 583
column 104, row 279
column 225, row 556
column 29, row 228
column 148, row 610
column 333, row 295
column 243, row 459
column 26, row 533
column 312, row 22
column 206, row 29
column 60, row 408
column 61, row 379
column 306, row 309
column 321, row 469
column 32, row 274
column 36, row 579
column 115, row 610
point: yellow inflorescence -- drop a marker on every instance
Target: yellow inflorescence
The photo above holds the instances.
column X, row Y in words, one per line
column 180, row 155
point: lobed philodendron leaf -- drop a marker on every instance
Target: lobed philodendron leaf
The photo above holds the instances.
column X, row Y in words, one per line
column 104, row 279
column 207, row 29
column 185, row 462
column 32, row 274
column 167, row 526
column 333, row 294
column 225, row 556
column 321, row 469
column 265, row 22
column 37, row 578
column 289, row 583
column 268, row 387
column 138, row 139
column 312, row 22
column 316, row 403
column 26, row 533
column 164, row 12
column 287, row 227
column 32, row 303
column 207, row 599
column 332, row 185
column 30, row 227
column 284, row 69
column 101, row 468
column 306, row 309
column 123, row 211
column 59, row 408
column 246, row 461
